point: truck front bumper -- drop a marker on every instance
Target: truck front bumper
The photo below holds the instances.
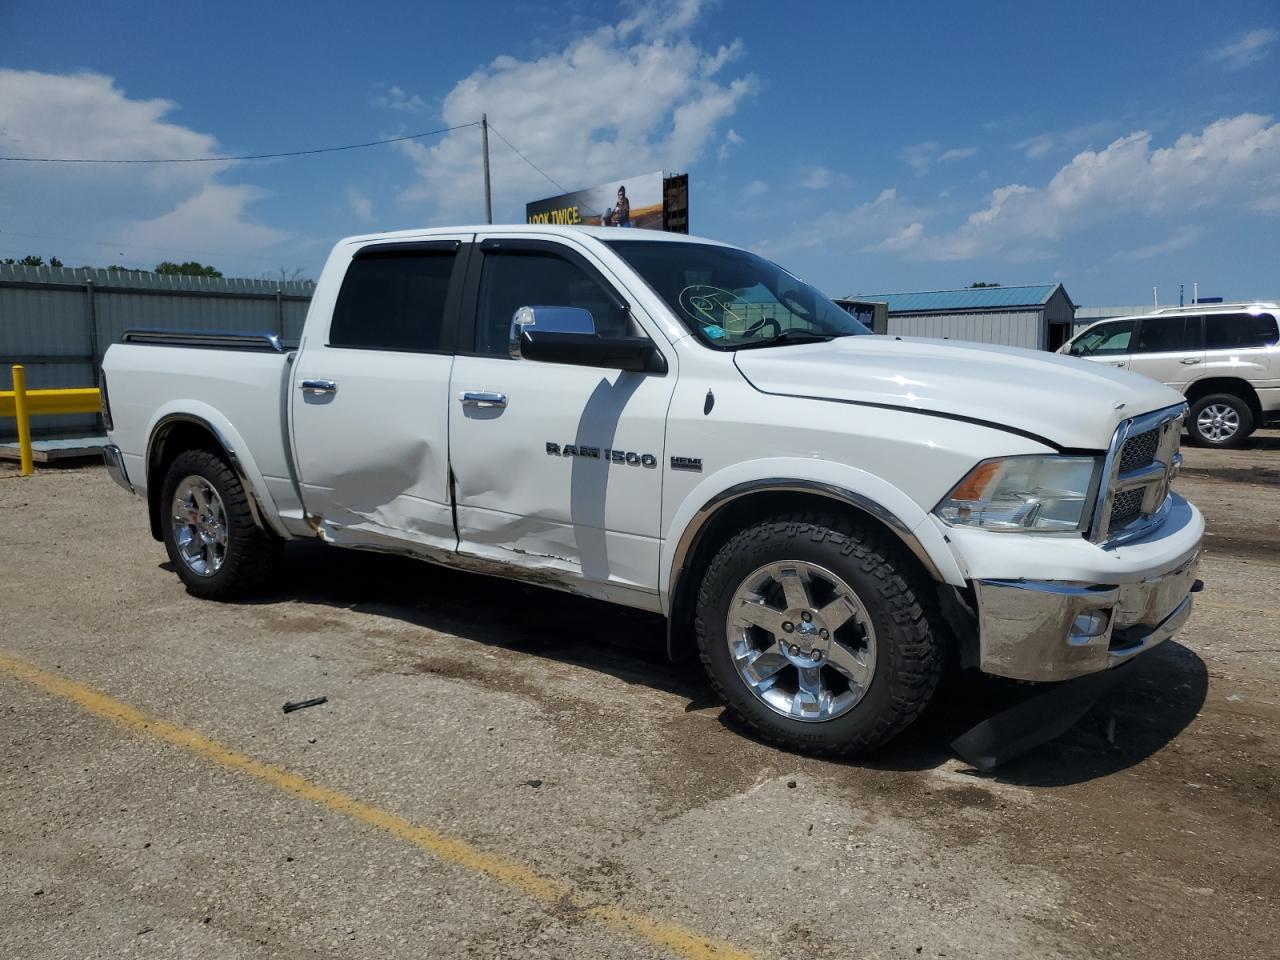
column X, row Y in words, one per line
column 1055, row 630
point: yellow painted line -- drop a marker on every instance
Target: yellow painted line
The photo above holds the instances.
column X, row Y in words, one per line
column 680, row 940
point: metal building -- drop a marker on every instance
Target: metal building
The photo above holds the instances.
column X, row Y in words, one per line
column 1037, row 317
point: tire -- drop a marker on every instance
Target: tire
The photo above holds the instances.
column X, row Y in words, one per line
column 220, row 553
column 1220, row 420
column 889, row 632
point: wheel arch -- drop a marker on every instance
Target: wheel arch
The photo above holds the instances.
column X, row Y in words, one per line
column 176, row 431
column 1236, row 386
column 730, row 509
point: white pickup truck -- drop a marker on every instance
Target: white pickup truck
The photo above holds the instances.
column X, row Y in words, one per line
column 827, row 516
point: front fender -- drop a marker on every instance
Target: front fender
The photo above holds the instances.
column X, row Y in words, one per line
column 838, row 482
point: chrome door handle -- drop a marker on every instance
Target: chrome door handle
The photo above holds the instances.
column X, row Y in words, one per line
column 1190, row 360
column 483, row 398
column 318, row 386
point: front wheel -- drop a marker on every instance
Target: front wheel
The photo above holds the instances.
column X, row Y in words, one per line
column 1220, row 420
column 209, row 531
column 816, row 634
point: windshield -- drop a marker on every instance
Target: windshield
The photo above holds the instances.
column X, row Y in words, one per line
column 731, row 299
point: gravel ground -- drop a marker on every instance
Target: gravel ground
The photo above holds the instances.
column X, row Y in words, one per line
column 551, row 730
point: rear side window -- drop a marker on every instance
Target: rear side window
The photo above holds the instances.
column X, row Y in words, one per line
column 1107, row 338
column 518, row 279
column 1169, row 334
column 393, row 301
column 1238, row 331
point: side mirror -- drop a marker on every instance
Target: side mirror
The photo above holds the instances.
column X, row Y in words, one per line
column 568, row 335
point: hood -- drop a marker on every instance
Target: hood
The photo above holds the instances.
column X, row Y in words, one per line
column 1068, row 401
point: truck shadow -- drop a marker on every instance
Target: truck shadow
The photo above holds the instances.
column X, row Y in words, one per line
column 1159, row 696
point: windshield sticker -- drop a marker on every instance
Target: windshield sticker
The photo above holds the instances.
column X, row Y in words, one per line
column 711, row 305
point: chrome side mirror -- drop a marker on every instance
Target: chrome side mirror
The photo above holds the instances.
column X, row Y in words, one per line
column 554, row 320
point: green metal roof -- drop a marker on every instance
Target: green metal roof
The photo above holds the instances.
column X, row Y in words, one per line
column 973, row 298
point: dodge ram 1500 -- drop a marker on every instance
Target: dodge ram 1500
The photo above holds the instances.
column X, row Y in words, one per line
column 824, row 515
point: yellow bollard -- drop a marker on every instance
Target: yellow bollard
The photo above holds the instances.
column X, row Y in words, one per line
column 24, row 419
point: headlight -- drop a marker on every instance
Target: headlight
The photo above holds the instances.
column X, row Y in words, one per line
column 1037, row 494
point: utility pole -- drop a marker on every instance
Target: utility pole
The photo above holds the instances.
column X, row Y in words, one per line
column 484, row 141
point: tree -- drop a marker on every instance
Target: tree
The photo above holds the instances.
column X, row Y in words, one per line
column 55, row 262
column 975, row 286
column 191, row 268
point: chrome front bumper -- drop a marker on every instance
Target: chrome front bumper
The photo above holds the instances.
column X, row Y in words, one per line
column 114, row 460
column 1051, row 630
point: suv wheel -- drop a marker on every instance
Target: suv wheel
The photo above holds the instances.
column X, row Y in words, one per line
column 816, row 635
column 209, row 531
column 1220, row 420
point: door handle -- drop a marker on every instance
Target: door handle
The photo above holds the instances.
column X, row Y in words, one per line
column 1190, row 360
column 483, row 398
column 318, row 386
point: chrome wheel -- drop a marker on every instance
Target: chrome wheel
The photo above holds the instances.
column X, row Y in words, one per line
column 1218, row 422
column 199, row 525
column 801, row 640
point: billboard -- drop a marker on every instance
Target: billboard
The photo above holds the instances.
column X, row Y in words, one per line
column 638, row 202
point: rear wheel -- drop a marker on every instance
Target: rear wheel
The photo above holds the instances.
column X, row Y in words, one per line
column 816, row 634
column 219, row 552
column 1220, row 420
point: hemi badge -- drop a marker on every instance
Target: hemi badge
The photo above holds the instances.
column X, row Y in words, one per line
column 686, row 463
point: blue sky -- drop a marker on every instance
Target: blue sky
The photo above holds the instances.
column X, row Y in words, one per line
column 868, row 147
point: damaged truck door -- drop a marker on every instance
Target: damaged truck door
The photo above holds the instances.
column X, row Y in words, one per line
column 370, row 402
column 556, row 464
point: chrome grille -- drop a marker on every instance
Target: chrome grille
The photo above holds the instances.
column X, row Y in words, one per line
column 1139, row 451
column 1127, row 506
column 1140, row 465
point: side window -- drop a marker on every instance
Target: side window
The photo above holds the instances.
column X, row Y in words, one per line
column 1238, row 331
column 1109, row 338
column 1169, row 334
column 515, row 279
column 393, row 301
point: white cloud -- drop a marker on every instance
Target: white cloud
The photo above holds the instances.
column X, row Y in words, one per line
column 815, row 178
column 1253, row 47
column 361, row 205
column 756, row 188
column 396, row 99
column 886, row 223
column 922, row 157
column 1180, row 239
column 180, row 207
column 618, row 101
column 1033, row 148
column 731, row 139
column 1223, row 165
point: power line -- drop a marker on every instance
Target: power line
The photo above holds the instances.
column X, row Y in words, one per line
column 255, row 156
column 527, row 160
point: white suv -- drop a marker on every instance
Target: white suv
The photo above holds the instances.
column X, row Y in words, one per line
column 1223, row 357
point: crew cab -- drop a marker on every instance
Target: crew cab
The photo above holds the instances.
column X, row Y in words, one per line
column 826, row 516
column 1224, row 357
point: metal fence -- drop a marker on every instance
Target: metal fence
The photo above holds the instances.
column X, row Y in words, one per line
column 59, row 321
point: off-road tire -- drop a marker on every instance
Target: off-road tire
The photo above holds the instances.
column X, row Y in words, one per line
column 898, row 597
column 253, row 555
column 1242, row 411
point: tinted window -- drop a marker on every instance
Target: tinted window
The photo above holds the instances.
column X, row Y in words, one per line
column 1169, row 334
column 731, row 299
column 513, row 280
column 393, row 301
column 1107, row 338
column 1237, row 331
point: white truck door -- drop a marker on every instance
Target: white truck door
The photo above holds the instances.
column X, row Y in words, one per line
column 557, row 467
column 371, row 396
column 1169, row 349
